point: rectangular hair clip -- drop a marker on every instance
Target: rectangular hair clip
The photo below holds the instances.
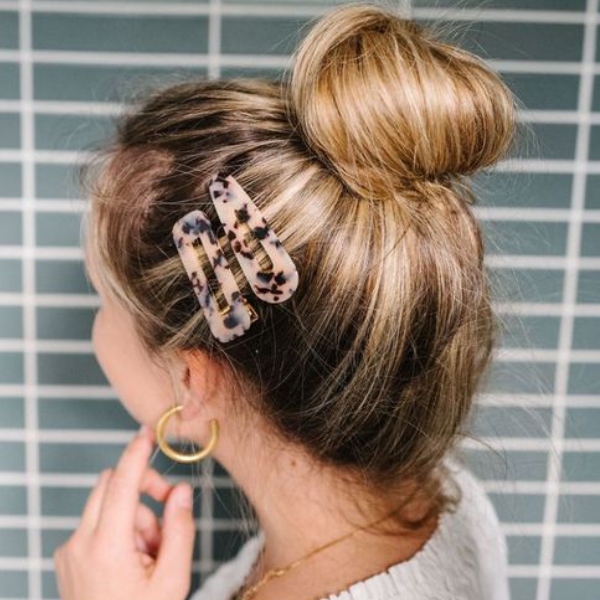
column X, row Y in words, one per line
column 233, row 318
column 245, row 225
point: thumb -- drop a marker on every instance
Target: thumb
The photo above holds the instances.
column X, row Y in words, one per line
column 174, row 562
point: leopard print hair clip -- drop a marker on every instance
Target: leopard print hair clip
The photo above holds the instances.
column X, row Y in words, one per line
column 273, row 278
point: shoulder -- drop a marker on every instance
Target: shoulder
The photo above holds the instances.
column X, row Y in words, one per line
column 465, row 558
column 229, row 577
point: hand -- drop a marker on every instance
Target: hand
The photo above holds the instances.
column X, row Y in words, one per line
column 118, row 551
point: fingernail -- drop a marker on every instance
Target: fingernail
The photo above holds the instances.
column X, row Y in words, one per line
column 183, row 496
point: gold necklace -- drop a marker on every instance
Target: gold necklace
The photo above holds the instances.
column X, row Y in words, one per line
column 278, row 572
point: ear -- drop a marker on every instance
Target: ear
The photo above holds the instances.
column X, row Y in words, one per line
column 200, row 378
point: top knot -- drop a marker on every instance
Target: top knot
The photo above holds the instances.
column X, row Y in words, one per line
column 383, row 103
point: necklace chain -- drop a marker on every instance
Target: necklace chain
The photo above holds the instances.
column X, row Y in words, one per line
column 278, row 572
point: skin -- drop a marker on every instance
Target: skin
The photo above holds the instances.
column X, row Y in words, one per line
column 118, row 551
column 299, row 504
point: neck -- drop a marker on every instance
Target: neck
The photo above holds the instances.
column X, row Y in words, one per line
column 301, row 507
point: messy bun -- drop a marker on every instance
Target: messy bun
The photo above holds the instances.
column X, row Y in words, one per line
column 371, row 367
column 383, row 103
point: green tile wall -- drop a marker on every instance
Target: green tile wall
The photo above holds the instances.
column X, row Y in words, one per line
column 539, row 413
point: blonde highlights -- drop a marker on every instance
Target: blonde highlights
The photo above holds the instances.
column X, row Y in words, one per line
column 358, row 160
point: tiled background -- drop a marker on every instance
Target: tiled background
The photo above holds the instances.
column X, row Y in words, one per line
column 65, row 67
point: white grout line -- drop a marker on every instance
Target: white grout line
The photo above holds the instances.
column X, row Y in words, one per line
column 65, row 57
column 214, row 39
column 52, row 300
column 541, row 355
column 206, row 469
column 500, row 15
column 512, row 261
column 532, row 214
column 556, row 572
column 47, row 346
column 34, row 539
column 150, row 59
column 207, row 484
column 574, row 234
column 41, row 206
column 57, row 157
column 47, row 253
column 63, row 107
column 47, row 564
column 541, row 309
column 531, row 444
column 283, row 9
column 540, row 488
column 61, row 523
column 77, row 480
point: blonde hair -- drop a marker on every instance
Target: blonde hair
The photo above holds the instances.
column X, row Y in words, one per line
column 358, row 161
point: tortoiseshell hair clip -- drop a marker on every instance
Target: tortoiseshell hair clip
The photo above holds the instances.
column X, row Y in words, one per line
column 229, row 314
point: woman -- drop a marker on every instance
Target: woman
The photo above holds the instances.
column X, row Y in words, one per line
column 292, row 277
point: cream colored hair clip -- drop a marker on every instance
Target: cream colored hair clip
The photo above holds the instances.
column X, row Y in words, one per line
column 243, row 223
column 229, row 315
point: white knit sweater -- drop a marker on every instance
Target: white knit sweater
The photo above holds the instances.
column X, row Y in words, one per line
column 464, row 559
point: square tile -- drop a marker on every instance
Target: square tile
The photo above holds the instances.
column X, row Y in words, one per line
column 13, row 412
column 9, row 30
column 10, row 84
column 10, row 131
column 264, row 35
column 527, row 285
column 10, row 180
column 14, row 583
column 582, row 423
column 11, row 229
column 11, row 275
column 523, row 377
column 573, row 508
column 120, row 33
column 84, row 413
column 583, row 379
column 511, row 421
column 581, row 466
column 526, row 238
column 62, row 277
column 104, row 83
column 71, row 323
column 11, row 322
column 523, row 190
column 527, row 331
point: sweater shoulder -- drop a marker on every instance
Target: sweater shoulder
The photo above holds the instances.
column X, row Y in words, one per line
column 464, row 559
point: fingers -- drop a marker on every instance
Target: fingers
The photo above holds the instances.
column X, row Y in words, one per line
column 93, row 506
column 155, row 485
column 148, row 535
column 121, row 498
column 174, row 562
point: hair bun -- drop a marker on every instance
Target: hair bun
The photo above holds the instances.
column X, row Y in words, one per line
column 383, row 103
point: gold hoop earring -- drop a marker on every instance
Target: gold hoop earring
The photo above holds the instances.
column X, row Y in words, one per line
column 179, row 456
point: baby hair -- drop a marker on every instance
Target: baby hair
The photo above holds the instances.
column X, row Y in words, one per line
column 359, row 159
